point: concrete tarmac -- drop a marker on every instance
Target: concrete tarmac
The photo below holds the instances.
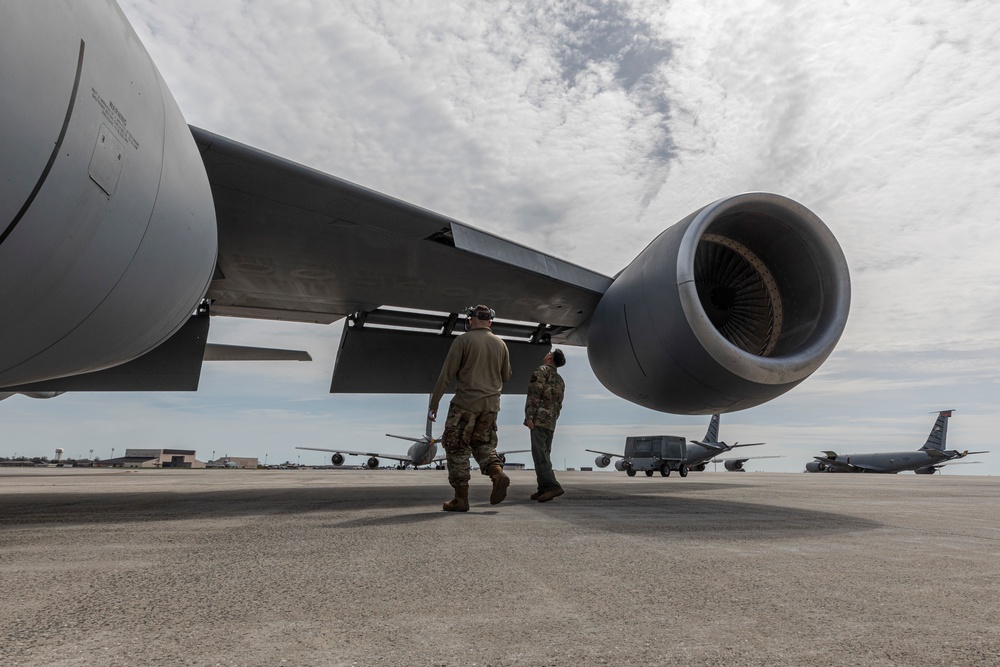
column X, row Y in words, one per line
column 351, row 567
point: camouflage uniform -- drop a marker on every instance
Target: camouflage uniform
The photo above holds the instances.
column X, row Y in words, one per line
column 480, row 363
column 542, row 408
column 468, row 432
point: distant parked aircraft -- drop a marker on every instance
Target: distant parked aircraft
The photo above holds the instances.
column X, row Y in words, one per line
column 698, row 452
column 702, row 452
column 925, row 461
column 422, row 452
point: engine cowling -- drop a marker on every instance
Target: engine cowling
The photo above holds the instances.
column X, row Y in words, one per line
column 32, row 394
column 101, row 171
column 602, row 461
column 337, row 459
column 729, row 308
column 734, row 466
column 929, row 470
column 815, row 466
column 700, row 467
column 620, row 465
column 372, row 462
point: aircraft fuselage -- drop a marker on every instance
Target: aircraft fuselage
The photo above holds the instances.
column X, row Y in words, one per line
column 889, row 462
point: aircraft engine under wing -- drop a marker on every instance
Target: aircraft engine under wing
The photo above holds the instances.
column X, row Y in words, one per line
column 729, row 308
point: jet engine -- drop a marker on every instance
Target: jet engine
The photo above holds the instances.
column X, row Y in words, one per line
column 372, row 462
column 337, row 459
column 734, row 466
column 815, row 466
column 602, row 461
column 929, row 470
column 729, row 308
column 699, row 468
column 101, row 171
column 620, row 465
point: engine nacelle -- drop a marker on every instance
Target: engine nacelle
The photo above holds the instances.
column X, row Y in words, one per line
column 620, row 465
column 929, row 470
column 32, row 394
column 815, row 466
column 729, row 308
column 337, row 459
column 602, row 461
column 734, row 466
column 372, row 462
column 700, row 467
column 103, row 185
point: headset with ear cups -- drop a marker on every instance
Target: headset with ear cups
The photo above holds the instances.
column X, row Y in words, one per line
column 471, row 312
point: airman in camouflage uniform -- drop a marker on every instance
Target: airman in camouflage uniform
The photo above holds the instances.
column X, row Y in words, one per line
column 480, row 362
column 541, row 411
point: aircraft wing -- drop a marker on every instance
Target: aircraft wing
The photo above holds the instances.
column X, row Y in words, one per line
column 392, row 457
column 620, row 456
column 748, row 444
column 504, row 454
column 297, row 244
column 745, row 458
column 839, row 466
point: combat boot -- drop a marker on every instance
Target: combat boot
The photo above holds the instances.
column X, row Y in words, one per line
column 460, row 503
column 500, row 483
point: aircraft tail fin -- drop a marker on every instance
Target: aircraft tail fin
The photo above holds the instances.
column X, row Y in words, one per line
column 712, row 434
column 938, row 436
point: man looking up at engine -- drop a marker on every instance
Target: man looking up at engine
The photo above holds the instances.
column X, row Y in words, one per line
column 541, row 410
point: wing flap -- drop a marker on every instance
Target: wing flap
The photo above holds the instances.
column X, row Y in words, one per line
column 397, row 361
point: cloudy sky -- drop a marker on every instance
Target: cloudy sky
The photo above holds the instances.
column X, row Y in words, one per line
column 584, row 128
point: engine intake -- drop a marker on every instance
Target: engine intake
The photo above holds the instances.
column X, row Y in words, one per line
column 602, row 461
column 729, row 308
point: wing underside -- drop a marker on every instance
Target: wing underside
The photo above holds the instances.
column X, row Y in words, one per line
column 620, row 456
column 297, row 244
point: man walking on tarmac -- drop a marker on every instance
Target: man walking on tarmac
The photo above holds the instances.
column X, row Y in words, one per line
column 481, row 364
column 541, row 410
